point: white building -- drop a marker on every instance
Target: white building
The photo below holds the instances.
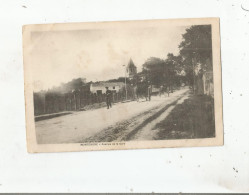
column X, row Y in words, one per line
column 100, row 87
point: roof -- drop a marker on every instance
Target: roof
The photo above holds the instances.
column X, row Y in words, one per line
column 131, row 64
column 107, row 84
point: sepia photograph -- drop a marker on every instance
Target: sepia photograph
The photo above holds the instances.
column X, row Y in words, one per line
column 123, row 85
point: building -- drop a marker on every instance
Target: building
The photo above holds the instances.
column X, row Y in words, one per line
column 100, row 87
column 131, row 69
column 208, row 87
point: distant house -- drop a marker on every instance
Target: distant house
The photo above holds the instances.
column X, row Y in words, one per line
column 100, row 87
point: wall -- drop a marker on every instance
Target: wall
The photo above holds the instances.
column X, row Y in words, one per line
column 94, row 89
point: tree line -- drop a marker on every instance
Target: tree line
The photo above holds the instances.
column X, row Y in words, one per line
column 195, row 58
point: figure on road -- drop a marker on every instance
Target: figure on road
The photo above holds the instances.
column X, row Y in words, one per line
column 108, row 98
column 135, row 93
column 168, row 91
column 149, row 93
column 161, row 91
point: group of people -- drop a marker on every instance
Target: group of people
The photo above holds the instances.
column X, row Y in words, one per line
column 109, row 95
column 146, row 93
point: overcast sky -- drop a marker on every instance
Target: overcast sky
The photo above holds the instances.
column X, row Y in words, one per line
column 97, row 55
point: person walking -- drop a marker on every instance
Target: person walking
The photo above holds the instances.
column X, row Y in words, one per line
column 135, row 93
column 168, row 90
column 149, row 92
column 161, row 91
column 108, row 98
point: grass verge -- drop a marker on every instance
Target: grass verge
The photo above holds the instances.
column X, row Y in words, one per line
column 194, row 118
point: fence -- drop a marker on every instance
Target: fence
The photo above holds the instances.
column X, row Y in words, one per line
column 46, row 103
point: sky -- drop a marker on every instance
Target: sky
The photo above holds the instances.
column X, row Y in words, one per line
column 97, row 54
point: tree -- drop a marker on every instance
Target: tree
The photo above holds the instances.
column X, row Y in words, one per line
column 154, row 69
column 119, row 79
column 173, row 65
column 196, row 48
column 163, row 72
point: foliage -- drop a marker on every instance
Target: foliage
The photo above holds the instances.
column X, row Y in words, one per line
column 154, row 70
column 197, row 44
column 163, row 72
column 196, row 48
column 69, row 87
column 120, row 79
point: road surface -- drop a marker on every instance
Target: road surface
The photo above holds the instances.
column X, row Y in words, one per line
column 123, row 122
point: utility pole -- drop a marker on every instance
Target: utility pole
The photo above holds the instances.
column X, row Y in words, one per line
column 44, row 111
column 125, row 85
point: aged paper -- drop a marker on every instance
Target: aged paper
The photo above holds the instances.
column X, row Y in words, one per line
column 123, row 85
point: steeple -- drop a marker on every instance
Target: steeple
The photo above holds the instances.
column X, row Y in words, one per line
column 131, row 68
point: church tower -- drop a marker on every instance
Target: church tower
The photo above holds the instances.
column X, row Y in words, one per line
column 131, row 69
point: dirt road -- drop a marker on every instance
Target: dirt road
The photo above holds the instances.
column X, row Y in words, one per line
column 123, row 122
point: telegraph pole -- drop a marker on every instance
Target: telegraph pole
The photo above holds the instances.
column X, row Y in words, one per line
column 125, row 84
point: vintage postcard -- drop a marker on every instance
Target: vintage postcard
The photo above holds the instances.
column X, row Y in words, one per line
column 123, row 85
